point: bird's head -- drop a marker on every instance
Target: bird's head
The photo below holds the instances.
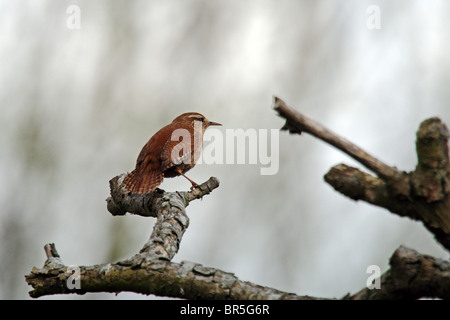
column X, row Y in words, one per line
column 195, row 118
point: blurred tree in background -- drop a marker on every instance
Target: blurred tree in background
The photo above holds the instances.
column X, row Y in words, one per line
column 78, row 104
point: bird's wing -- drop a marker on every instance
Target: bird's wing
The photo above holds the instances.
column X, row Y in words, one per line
column 147, row 175
column 174, row 153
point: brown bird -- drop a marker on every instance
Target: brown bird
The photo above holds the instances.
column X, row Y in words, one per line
column 171, row 152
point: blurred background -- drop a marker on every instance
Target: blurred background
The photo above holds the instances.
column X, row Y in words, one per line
column 77, row 105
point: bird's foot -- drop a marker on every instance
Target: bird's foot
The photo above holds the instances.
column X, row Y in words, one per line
column 193, row 186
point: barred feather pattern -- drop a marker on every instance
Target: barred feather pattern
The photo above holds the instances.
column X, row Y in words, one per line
column 143, row 183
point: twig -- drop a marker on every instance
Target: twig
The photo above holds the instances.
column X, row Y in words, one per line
column 50, row 251
column 146, row 205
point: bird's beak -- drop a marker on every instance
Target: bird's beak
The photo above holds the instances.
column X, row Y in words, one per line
column 214, row 123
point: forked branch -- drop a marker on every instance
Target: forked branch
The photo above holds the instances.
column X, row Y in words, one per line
column 423, row 194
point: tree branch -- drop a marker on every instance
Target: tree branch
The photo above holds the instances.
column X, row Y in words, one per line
column 412, row 276
column 139, row 274
column 298, row 123
column 146, row 205
column 359, row 185
column 167, row 207
column 423, row 194
column 150, row 271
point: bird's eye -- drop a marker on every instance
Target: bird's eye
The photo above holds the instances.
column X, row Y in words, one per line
column 200, row 119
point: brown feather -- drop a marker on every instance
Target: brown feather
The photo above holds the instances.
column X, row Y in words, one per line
column 147, row 175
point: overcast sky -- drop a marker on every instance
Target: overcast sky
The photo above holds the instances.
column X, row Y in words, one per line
column 80, row 97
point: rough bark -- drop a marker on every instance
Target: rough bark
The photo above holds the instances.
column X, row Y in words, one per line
column 167, row 207
column 146, row 275
column 411, row 276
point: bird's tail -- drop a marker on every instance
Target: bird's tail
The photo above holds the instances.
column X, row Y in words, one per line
column 136, row 182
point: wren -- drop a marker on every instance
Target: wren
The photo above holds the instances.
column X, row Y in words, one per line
column 165, row 156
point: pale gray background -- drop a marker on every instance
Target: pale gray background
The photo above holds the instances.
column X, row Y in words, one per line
column 78, row 105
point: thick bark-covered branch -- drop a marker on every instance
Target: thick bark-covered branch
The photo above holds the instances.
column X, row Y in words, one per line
column 150, row 271
column 360, row 185
column 164, row 242
column 411, row 276
column 423, row 194
column 139, row 274
column 167, row 207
